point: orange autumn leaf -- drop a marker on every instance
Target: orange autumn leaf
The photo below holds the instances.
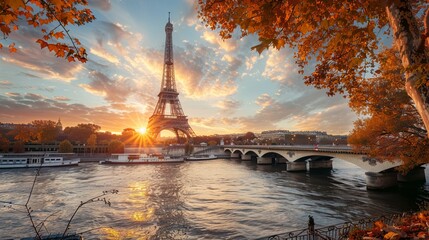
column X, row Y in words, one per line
column 422, row 217
column 59, row 35
column 12, row 48
column 42, row 43
column 15, row 4
column 379, row 224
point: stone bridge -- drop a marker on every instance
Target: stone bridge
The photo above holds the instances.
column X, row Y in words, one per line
column 379, row 174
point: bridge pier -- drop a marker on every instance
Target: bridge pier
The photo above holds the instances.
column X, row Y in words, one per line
column 320, row 165
column 415, row 175
column 264, row 161
column 235, row 155
column 376, row 181
column 296, row 166
column 281, row 160
column 246, row 157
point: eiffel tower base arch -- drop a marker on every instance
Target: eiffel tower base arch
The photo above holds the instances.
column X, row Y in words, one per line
column 178, row 125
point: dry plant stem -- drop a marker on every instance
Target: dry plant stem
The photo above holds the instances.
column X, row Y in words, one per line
column 28, row 209
column 97, row 198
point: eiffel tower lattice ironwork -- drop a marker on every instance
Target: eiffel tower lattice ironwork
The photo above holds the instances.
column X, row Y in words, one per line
column 168, row 113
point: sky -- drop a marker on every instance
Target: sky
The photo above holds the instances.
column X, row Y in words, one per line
column 224, row 86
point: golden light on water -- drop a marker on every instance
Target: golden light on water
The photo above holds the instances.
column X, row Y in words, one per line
column 138, row 234
column 143, row 216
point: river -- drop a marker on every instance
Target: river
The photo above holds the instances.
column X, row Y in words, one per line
column 217, row 199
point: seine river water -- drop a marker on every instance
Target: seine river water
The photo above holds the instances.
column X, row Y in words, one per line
column 218, row 199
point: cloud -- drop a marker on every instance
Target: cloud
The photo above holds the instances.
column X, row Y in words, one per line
column 115, row 34
column 228, row 106
column 264, row 100
column 191, row 17
column 280, row 67
column 113, row 90
column 61, row 98
column 104, row 5
column 102, row 53
column 202, row 75
column 250, row 61
column 5, row 83
column 227, row 45
column 336, row 119
column 34, row 97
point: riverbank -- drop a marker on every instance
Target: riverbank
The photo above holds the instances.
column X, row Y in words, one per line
column 409, row 225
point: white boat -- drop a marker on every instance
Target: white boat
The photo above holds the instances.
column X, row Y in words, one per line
column 199, row 158
column 140, row 158
column 37, row 159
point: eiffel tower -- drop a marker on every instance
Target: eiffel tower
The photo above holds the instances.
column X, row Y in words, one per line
column 168, row 114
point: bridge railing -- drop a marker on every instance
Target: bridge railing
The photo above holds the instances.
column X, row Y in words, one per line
column 334, row 232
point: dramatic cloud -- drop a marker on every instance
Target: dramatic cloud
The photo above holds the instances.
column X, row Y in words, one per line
column 202, row 75
column 113, row 90
column 280, row 66
column 227, row 45
column 264, row 100
column 228, row 106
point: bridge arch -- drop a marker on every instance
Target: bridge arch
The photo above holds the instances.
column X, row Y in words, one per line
column 379, row 174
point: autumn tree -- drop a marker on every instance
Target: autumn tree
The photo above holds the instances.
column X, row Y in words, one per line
column 81, row 132
column 340, row 37
column 22, row 132
column 116, row 146
column 390, row 126
column 51, row 19
column 4, row 144
column 65, row 147
column 45, row 131
column 249, row 136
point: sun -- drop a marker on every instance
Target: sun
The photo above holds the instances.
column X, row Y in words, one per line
column 142, row 130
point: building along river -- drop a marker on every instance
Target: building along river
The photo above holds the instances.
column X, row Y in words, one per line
column 215, row 199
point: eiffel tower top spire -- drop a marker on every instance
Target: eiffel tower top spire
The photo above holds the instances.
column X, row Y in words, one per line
column 168, row 81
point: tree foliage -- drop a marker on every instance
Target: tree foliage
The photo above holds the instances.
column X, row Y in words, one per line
column 81, row 132
column 44, row 131
column 340, row 37
column 4, row 144
column 116, row 147
column 391, row 127
column 22, row 132
column 50, row 18
column 65, row 147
